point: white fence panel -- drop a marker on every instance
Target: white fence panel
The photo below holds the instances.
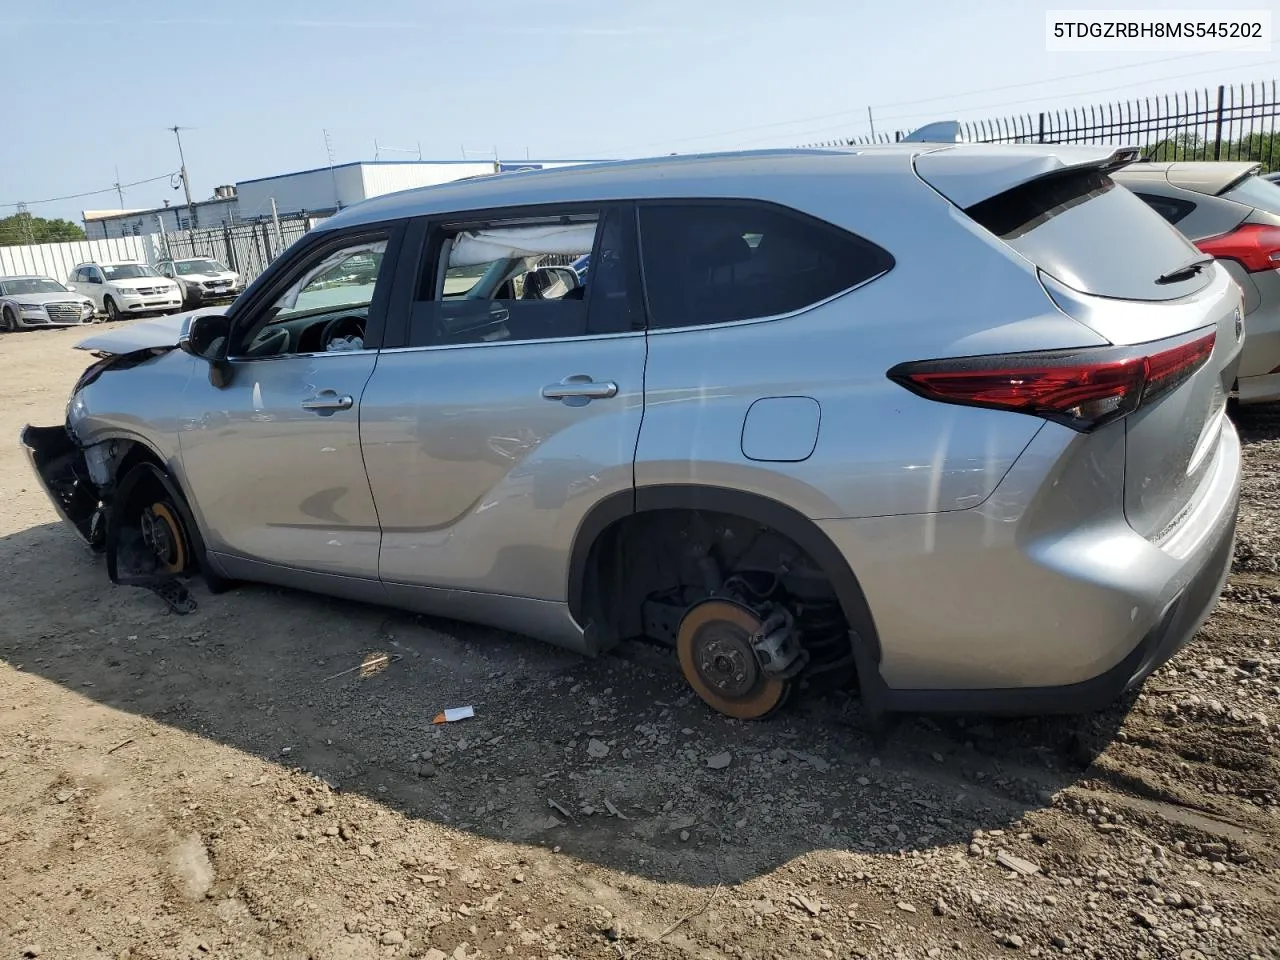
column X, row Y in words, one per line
column 56, row 260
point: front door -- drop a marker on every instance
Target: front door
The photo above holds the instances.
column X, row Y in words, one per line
column 272, row 459
column 515, row 404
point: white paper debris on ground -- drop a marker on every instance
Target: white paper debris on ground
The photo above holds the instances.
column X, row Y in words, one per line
column 453, row 714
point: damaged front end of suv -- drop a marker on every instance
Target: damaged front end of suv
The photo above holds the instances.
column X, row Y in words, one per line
column 114, row 489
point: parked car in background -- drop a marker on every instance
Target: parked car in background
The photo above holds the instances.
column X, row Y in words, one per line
column 1231, row 213
column 36, row 301
column 126, row 289
column 204, row 281
column 947, row 418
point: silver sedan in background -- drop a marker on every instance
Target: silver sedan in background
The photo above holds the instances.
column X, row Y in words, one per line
column 35, row 301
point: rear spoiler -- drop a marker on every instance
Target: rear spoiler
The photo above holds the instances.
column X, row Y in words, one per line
column 967, row 174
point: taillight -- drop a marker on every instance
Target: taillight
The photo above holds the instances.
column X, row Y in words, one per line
column 1256, row 246
column 1081, row 388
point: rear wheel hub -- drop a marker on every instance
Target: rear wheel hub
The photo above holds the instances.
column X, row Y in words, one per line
column 714, row 647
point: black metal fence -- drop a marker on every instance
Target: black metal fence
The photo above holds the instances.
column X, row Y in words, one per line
column 247, row 246
column 1224, row 123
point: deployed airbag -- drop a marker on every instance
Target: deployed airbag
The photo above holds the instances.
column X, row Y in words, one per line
column 475, row 247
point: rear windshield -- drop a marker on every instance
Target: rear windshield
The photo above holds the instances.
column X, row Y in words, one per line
column 1094, row 236
column 1255, row 192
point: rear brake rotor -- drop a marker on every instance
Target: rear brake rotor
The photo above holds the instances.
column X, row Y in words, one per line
column 714, row 647
column 162, row 534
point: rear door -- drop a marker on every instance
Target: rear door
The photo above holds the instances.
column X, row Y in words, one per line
column 1116, row 266
column 511, row 406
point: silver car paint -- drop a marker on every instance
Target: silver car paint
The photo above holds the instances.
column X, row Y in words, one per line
column 472, row 485
column 480, row 482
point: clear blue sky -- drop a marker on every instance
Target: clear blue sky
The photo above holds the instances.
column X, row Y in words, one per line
column 91, row 86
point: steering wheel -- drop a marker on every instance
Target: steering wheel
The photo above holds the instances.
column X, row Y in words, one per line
column 270, row 342
column 350, row 325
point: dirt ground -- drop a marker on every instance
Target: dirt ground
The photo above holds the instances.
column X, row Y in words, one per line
column 225, row 785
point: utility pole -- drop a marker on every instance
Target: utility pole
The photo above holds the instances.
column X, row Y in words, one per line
column 186, row 183
column 275, row 218
column 119, row 189
column 872, row 123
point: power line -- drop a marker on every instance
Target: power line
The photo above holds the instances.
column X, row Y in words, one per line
column 88, row 193
column 904, row 103
column 1014, row 103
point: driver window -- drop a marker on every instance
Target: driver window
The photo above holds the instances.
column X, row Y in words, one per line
column 325, row 307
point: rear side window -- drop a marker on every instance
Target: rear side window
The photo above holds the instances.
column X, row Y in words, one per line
column 717, row 262
column 1170, row 208
column 1096, row 237
column 1255, row 192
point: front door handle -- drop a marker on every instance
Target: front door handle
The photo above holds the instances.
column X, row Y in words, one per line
column 328, row 401
column 580, row 389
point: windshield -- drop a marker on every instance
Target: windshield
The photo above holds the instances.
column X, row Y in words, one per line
column 33, row 285
column 1256, row 192
column 188, row 267
column 127, row 271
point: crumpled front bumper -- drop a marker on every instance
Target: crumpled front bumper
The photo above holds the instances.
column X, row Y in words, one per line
column 60, row 467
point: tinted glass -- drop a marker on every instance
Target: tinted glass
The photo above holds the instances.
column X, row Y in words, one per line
column 1084, row 230
column 1169, row 208
column 1256, row 192
column 721, row 262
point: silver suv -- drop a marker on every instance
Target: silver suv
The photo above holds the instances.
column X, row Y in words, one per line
column 946, row 419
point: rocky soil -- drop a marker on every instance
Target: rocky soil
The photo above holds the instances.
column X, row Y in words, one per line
column 233, row 784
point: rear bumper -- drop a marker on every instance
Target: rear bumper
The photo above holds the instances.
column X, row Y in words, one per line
column 1261, row 389
column 984, row 611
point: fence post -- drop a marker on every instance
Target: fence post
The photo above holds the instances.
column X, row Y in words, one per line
column 266, row 243
column 231, row 251
column 1040, row 135
column 1217, row 136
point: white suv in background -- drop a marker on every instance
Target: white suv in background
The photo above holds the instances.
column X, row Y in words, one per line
column 123, row 289
column 203, row 280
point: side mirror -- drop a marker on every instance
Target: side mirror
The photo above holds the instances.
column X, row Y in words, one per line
column 552, row 283
column 205, row 336
column 95, row 280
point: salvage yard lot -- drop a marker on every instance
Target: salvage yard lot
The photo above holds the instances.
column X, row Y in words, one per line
column 225, row 785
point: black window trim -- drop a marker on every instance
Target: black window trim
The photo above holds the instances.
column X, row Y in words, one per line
column 286, row 269
column 824, row 225
column 1186, row 207
column 434, row 227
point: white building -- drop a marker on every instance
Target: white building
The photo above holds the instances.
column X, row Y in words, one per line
column 222, row 208
column 320, row 191
column 326, row 189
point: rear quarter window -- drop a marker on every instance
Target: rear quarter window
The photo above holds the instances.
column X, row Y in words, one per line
column 1085, row 230
column 719, row 262
column 1170, row 208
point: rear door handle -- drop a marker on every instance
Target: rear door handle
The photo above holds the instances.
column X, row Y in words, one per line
column 580, row 389
column 328, row 401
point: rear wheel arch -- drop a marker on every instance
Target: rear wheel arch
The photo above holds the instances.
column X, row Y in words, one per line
column 593, row 537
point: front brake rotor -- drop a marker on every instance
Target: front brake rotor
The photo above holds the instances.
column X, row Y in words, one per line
column 162, row 534
column 714, row 648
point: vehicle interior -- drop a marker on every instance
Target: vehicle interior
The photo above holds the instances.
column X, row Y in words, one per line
column 325, row 310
